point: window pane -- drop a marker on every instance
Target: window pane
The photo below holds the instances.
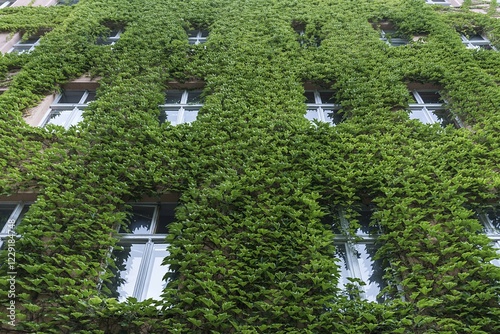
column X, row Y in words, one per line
column 90, row 97
column 310, row 97
column 190, row 115
column 430, row 97
column 30, row 41
column 128, row 263
column 204, row 33
column 173, row 96
column 171, row 116
column 192, row 33
column 443, row 117
column 332, row 116
column 59, row 117
column 154, row 282
column 312, row 114
column 345, row 273
column 327, row 97
column 194, row 97
column 5, row 212
column 71, row 96
column 364, row 221
column 494, row 218
column 166, row 216
column 371, row 271
column 140, row 223
column 420, row 115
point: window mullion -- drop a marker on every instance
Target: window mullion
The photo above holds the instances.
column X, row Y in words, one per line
column 143, row 269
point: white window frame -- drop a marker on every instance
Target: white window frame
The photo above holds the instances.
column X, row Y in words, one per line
column 320, row 110
column 24, row 47
column 477, row 44
column 437, row 2
column 75, row 109
column 387, row 36
column 197, row 36
column 351, row 268
column 175, row 113
column 151, row 242
column 427, row 109
column 13, row 220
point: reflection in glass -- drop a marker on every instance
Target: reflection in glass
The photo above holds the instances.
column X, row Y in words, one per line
column 173, row 96
column 140, row 223
column 5, row 213
column 190, row 115
column 371, row 271
column 154, row 282
column 194, row 97
column 128, row 262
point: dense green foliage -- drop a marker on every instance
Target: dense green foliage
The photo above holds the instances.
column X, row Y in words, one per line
column 249, row 250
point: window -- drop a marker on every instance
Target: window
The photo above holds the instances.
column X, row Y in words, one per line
column 6, row 3
column 438, row 2
column 139, row 272
column 306, row 37
column 477, row 41
column 428, row 108
column 391, row 37
column 321, row 106
column 67, row 2
column 196, row 37
column 491, row 222
column 356, row 252
column 11, row 214
column 68, row 107
column 181, row 106
column 25, row 46
column 110, row 39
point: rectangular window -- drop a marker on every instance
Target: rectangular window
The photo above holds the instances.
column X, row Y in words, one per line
column 181, row 106
column 355, row 250
column 196, row 37
column 322, row 107
column 139, row 271
column 25, row 46
column 68, row 107
column 477, row 41
column 11, row 214
column 428, row 108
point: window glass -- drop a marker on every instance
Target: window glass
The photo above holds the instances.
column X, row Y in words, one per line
column 141, row 220
column 310, row 97
column 430, row 96
column 128, row 262
column 327, row 97
column 6, row 211
column 90, row 97
column 190, row 115
column 194, row 97
column 71, row 96
column 155, row 282
column 165, row 217
column 60, row 117
column 371, row 270
column 332, row 116
column 173, row 96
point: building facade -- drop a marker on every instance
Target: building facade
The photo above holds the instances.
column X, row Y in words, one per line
column 249, row 167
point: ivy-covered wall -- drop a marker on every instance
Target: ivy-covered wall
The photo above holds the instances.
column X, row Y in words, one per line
column 250, row 250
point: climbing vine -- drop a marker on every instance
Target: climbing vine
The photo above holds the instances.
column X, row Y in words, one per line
column 250, row 251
